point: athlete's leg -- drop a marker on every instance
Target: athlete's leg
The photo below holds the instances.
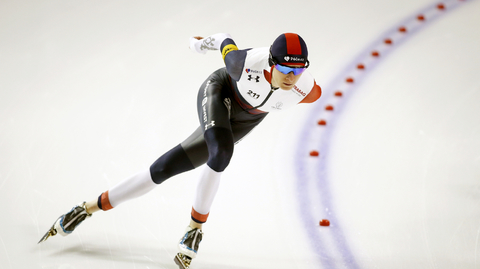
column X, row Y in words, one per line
column 171, row 163
column 212, row 143
column 214, row 116
column 130, row 188
column 214, row 146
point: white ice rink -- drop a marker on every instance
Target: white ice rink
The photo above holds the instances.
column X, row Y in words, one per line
column 93, row 91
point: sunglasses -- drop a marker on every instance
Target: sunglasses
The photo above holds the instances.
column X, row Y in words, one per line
column 286, row 69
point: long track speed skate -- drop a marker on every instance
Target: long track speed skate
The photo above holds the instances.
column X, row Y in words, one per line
column 51, row 232
column 183, row 261
column 188, row 247
column 66, row 223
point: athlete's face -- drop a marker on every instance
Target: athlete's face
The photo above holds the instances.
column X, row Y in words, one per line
column 284, row 81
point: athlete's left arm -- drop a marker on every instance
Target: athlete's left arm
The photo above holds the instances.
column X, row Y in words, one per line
column 313, row 95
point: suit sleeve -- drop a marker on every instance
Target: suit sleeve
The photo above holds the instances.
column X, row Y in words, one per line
column 212, row 42
column 233, row 57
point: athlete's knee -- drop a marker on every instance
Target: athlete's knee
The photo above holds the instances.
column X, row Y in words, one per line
column 220, row 148
column 220, row 158
column 160, row 171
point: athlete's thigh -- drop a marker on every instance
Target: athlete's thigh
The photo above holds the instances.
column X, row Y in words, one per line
column 212, row 107
column 196, row 148
column 240, row 129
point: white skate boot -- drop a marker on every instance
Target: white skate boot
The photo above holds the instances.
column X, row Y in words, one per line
column 66, row 223
column 188, row 247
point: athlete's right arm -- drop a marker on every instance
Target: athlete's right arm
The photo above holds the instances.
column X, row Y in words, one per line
column 234, row 59
column 213, row 42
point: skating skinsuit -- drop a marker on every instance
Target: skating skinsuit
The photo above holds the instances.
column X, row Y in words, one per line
column 251, row 73
column 230, row 103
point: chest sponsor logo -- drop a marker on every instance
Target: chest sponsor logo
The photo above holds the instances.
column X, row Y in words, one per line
column 248, row 70
column 252, row 78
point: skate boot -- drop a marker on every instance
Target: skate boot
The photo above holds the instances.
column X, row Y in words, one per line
column 188, row 247
column 66, row 223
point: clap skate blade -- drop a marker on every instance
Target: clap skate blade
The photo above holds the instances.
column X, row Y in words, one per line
column 50, row 232
column 182, row 261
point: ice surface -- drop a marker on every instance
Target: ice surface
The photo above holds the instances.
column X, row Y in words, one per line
column 94, row 91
